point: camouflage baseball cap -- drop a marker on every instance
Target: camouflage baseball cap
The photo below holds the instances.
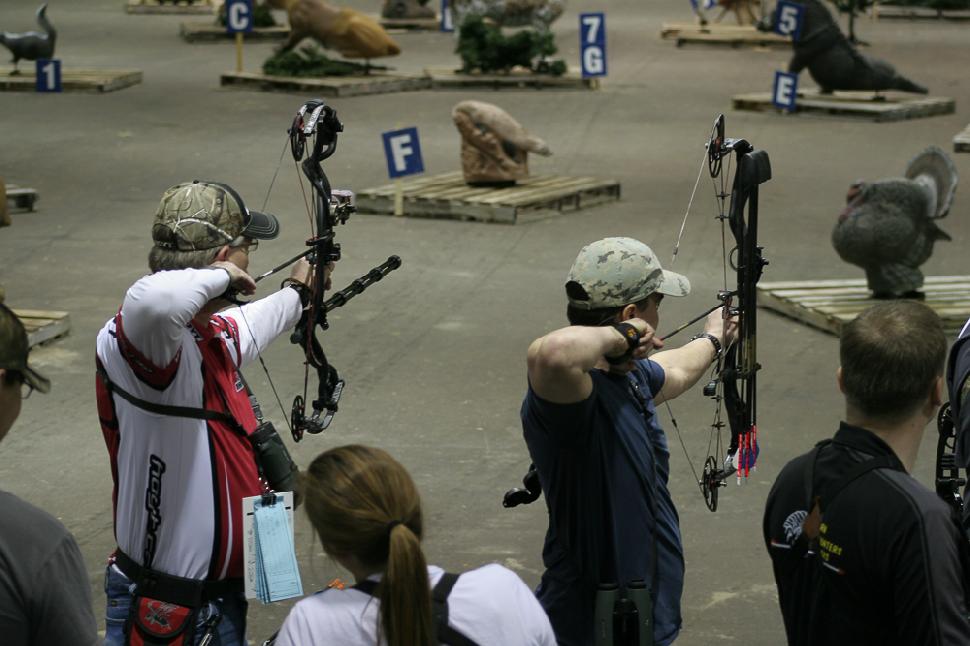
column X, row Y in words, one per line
column 204, row 215
column 14, row 350
column 613, row 272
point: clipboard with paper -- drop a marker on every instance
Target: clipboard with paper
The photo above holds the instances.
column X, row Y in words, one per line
column 271, row 570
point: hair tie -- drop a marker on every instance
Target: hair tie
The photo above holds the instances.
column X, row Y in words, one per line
column 391, row 525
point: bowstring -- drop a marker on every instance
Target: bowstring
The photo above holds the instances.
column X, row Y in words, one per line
column 720, row 196
column 242, row 311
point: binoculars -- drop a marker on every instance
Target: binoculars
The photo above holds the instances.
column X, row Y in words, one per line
column 623, row 615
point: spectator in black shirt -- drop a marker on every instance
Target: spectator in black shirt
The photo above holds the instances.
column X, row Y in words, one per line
column 862, row 552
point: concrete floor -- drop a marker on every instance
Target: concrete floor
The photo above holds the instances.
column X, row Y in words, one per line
column 434, row 356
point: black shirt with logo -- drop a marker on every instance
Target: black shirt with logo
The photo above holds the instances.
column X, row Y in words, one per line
column 887, row 563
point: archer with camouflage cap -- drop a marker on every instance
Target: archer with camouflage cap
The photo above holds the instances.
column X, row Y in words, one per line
column 177, row 416
column 590, row 423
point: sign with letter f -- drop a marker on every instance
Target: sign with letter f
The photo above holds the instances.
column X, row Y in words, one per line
column 403, row 152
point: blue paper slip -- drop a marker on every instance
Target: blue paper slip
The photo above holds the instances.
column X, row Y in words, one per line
column 272, row 573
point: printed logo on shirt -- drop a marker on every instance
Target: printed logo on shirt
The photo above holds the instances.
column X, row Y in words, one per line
column 159, row 614
column 793, row 525
column 829, row 550
column 153, row 504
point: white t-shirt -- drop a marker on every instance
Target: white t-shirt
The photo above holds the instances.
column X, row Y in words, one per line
column 490, row 605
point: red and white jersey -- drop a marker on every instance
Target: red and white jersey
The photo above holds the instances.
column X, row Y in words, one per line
column 178, row 482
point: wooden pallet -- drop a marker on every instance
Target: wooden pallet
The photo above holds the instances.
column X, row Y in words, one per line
column 961, row 143
column 411, row 24
column 446, row 78
column 333, row 86
column 829, row 304
column 72, row 80
column 21, row 196
column 894, row 106
column 44, row 325
column 717, row 34
column 197, row 32
column 918, row 13
column 195, row 7
column 448, row 196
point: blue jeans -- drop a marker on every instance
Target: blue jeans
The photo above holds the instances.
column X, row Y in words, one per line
column 117, row 588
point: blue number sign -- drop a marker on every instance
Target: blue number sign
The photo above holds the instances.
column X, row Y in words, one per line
column 239, row 16
column 785, row 91
column 48, row 75
column 592, row 44
column 788, row 19
column 446, row 18
column 403, row 151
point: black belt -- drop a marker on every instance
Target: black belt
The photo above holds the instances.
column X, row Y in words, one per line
column 192, row 593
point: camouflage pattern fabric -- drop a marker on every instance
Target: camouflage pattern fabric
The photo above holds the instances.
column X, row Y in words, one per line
column 197, row 215
column 617, row 271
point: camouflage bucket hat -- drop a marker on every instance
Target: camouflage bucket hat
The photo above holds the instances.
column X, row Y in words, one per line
column 204, row 215
column 14, row 349
column 617, row 271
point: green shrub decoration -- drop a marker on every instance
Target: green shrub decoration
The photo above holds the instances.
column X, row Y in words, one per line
column 484, row 48
column 262, row 16
column 310, row 61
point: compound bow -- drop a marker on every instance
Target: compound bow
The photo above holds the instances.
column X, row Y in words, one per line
column 313, row 139
column 734, row 377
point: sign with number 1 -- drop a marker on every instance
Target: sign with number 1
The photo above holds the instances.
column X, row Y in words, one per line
column 48, row 75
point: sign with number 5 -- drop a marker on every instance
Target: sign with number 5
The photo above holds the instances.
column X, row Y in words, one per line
column 788, row 19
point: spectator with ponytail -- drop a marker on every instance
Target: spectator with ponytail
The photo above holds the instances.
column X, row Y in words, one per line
column 367, row 512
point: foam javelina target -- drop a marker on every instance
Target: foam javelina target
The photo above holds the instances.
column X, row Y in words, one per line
column 494, row 146
column 832, row 61
column 888, row 227
column 353, row 34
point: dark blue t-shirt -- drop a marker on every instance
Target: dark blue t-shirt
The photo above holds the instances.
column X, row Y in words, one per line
column 600, row 461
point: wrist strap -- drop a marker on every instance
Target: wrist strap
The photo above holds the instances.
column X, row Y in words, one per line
column 632, row 337
column 300, row 288
column 712, row 339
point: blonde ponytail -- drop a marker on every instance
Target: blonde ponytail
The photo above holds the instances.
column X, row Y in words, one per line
column 362, row 502
column 404, row 591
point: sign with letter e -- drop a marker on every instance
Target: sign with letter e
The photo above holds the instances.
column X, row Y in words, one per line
column 239, row 16
column 403, row 152
column 788, row 19
column 592, row 44
column 785, row 91
column 48, row 75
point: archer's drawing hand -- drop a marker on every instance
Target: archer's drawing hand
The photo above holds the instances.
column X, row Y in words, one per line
column 725, row 329
column 648, row 341
column 239, row 280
